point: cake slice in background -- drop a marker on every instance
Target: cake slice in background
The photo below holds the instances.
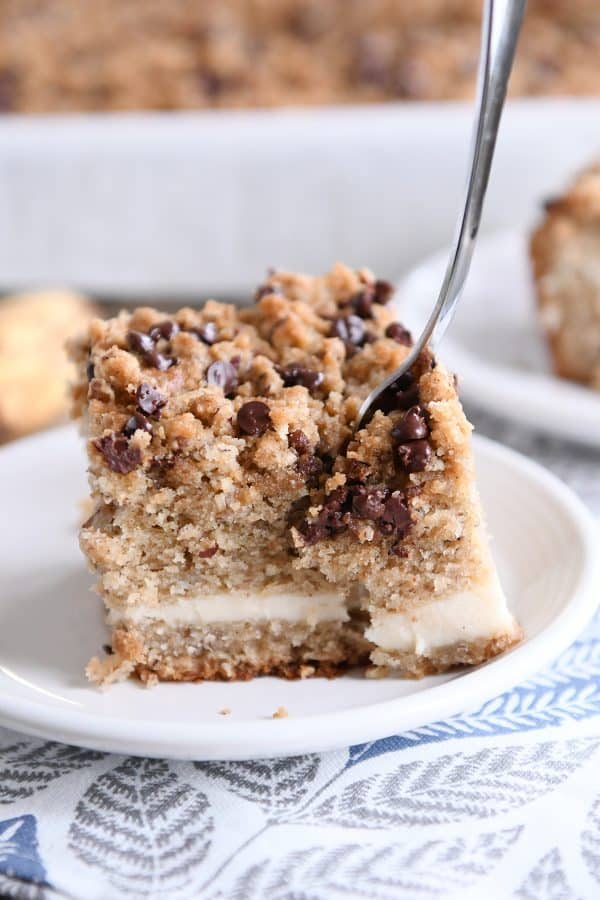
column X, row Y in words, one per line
column 565, row 251
column 241, row 528
column 34, row 371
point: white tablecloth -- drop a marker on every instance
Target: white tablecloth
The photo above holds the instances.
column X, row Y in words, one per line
column 501, row 803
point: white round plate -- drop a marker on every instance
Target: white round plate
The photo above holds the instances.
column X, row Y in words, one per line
column 495, row 344
column 545, row 545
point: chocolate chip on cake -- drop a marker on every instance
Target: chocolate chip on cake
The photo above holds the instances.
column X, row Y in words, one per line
column 298, row 441
column 207, row 333
column 150, row 400
column 263, row 290
column 222, row 374
column 362, row 303
column 399, row 333
column 412, row 426
column 159, row 360
column 209, row 552
column 139, row 342
column 369, row 503
column 254, row 418
column 295, row 374
column 118, row 455
column 137, row 422
column 89, row 371
column 349, row 329
column 167, row 330
column 414, row 456
column 384, row 291
column 396, row 513
column 310, row 467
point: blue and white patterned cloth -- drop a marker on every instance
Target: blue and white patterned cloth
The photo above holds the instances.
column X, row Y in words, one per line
column 499, row 804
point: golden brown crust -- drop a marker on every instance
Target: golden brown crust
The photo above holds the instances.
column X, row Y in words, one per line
column 231, row 652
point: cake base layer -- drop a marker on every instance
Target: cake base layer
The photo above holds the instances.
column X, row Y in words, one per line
column 441, row 659
column 231, row 651
column 240, row 651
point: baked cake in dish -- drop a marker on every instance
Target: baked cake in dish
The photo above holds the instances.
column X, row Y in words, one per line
column 241, row 527
column 565, row 251
column 68, row 55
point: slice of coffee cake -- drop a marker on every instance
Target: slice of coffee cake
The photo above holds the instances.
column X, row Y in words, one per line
column 565, row 251
column 242, row 529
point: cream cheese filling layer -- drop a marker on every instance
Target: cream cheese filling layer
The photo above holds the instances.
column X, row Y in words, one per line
column 466, row 616
column 239, row 606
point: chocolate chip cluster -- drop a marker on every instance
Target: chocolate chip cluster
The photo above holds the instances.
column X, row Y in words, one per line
column 351, row 329
column 115, row 448
column 349, row 504
column 412, row 450
column 154, row 347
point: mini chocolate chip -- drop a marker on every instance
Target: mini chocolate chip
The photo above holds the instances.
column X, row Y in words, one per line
column 118, row 454
column 312, row 532
column 362, row 303
column 369, row 503
column 413, row 457
column 137, row 422
column 407, row 398
column 309, row 466
column 399, row 333
column 349, row 329
column 159, row 360
column 209, row 552
column 167, row 330
column 334, row 502
column 398, row 549
column 384, row 291
column 263, row 290
column 254, row 418
column 107, row 649
column 207, row 333
column 139, row 342
column 356, row 469
column 412, row 426
column 298, row 441
column 89, row 371
column 396, row 513
column 150, row 400
column 296, row 374
column 222, row 374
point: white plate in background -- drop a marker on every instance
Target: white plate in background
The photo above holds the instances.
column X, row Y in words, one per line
column 545, row 545
column 495, row 344
column 179, row 206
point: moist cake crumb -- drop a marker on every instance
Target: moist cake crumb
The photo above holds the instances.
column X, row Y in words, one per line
column 241, row 527
column 280, row 713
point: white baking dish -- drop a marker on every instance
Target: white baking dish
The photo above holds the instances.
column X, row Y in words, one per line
column 189, row 204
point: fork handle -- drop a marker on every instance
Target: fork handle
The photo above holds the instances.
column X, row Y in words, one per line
column 500, row 28
column 499, row 34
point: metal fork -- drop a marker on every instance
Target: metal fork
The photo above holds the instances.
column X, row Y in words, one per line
column 500, row 29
